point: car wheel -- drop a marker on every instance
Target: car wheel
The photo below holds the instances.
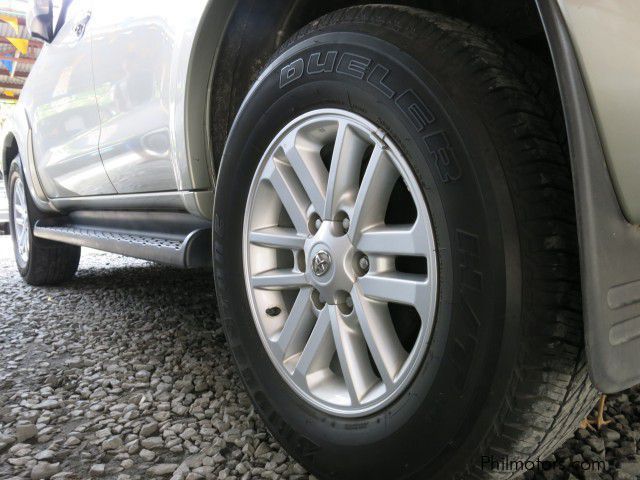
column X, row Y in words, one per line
column 39, row 261
column 395, row 251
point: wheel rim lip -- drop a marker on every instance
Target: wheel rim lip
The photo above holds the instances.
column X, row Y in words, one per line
column 21, row 220
column 419, row 350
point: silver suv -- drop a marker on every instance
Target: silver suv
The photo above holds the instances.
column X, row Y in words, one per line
column 422, row 220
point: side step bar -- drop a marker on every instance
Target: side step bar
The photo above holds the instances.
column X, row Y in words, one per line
column 182, row 247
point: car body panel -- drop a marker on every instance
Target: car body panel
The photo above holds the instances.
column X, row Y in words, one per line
column 139, row 81
column 186, row 119
column 606, row 35
column 132, row 51
column 61, row 107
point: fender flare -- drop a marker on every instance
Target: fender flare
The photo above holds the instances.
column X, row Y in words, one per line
column 16, row 140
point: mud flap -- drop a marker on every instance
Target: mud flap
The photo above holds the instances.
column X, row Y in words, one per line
column 609, row 244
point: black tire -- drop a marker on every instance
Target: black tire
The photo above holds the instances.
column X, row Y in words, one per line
column 505, row 374
column 48, row 262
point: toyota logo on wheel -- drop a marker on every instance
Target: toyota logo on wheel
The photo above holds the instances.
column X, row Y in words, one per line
column 321, row 263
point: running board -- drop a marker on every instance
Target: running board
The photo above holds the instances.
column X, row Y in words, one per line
column 190, row 249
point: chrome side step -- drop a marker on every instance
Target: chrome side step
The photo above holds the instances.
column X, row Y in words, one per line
column 186, row 249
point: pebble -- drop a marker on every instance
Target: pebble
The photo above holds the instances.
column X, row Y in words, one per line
column 611, row 435
column 45, row 455
column 112, row 443
column 25, row 432
column 44, row 470
column 631, row 468
column 72, row 441
column 162, row 469
column 149, row 429
column 147, row 455
column 152, row 442
column 97, row 470
column 48, row 404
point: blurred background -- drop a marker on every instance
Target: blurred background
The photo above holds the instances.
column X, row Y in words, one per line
column 17, row 54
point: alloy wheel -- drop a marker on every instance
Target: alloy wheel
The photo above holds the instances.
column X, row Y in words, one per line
column 21, row 220
column 340, row 262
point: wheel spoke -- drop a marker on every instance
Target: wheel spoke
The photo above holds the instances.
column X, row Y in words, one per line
column 20, row 210
column 282, row 178
column 278, row 279
column 344, row 173
column 353, row 356
column 297, row 327
column 22, row 235
column 394, row 240
column 403, row 288
column 21, row 220
column 20, row 191
column 318, row 350
column 277, row 237
column 381, row 336
column 311, row 172
column 373, row 195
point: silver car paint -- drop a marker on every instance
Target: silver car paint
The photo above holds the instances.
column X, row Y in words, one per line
column 182, row 27
column 61, row 105
column 138, row 75
column 606, row 36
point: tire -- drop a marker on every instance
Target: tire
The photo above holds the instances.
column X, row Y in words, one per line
column 504, row 374
column 44, row 262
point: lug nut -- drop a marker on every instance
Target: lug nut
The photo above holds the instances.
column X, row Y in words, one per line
column 363, row 263
column 345, row 302
column 300, row 260
column 318, row 302
column 314, row 223
column 349, row 302
column 346, row 223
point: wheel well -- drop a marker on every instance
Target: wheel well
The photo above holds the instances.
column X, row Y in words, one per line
column 256, row 29
column 9, row 152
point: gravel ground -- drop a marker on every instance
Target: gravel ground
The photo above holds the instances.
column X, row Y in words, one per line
column 124, row 373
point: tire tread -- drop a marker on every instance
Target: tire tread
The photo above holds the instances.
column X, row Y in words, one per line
column 550, row 387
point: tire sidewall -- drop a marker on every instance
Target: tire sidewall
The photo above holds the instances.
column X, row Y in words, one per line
column 471, row 216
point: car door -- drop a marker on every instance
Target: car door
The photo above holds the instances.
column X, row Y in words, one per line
column 61, row 105
column 133, row 43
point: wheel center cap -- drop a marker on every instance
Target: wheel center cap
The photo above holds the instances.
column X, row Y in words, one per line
column 330, row 262
column 321, row 263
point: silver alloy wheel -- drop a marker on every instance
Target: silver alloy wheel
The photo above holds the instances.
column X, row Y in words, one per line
column 322, row 264
column 21, row 220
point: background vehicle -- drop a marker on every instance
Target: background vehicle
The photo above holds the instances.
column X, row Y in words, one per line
column 398, row 227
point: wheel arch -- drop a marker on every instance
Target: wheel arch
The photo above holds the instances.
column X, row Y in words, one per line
column 9, row 151
column 236, row 38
